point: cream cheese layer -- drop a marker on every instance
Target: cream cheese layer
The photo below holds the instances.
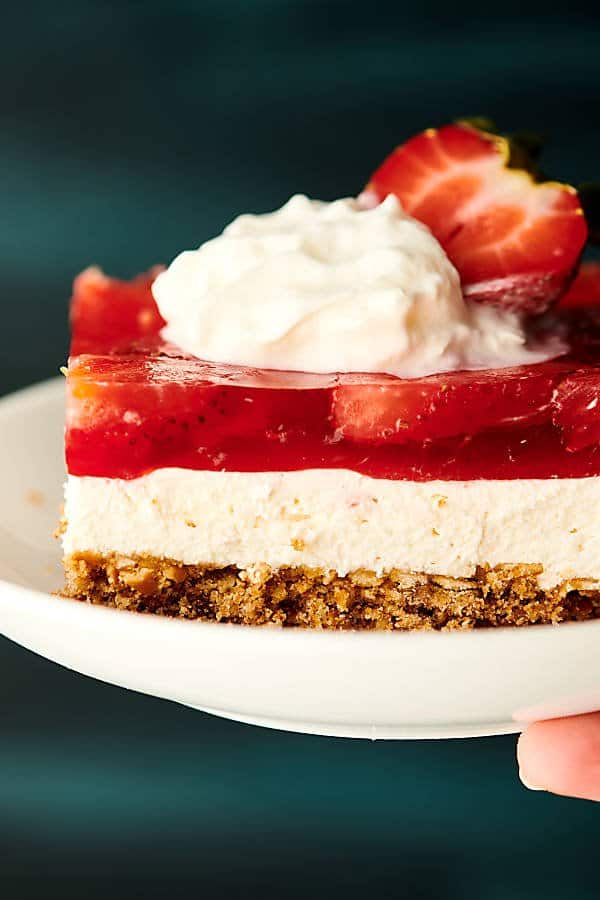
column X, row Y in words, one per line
column 340, row 520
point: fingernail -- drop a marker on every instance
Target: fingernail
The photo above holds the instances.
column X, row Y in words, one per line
column 528, row 784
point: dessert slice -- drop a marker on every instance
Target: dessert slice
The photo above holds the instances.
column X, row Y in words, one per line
column 423, row 460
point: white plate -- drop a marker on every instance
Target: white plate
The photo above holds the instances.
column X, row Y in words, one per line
column 353, row 684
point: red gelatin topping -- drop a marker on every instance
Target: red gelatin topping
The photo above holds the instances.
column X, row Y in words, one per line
column 136, row 404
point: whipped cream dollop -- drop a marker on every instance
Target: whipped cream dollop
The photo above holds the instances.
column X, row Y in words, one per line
column 334, row 287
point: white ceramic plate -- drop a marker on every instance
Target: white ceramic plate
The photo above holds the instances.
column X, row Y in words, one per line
column 372, row 685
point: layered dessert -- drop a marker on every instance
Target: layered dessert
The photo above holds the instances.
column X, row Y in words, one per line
column 379, row 412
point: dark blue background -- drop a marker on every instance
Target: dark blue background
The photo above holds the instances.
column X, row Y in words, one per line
column 130, row 130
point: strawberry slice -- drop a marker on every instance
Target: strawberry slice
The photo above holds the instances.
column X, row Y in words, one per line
column 131, row 413
column 577, row 409
column 585, row 290
column 439, row 406
column 107, row 313
column 514, row 242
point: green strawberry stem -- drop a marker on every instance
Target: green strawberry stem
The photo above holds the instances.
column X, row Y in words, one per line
column 525, row 146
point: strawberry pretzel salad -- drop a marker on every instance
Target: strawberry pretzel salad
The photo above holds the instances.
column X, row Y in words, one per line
column 375, row 413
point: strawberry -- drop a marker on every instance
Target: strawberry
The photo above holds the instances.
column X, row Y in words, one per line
column 585, row 290
column 576, row 405
column 395, row 411
column 515, row 242
column 103, row 308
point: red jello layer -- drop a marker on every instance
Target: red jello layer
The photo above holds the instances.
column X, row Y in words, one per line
column 136, row 404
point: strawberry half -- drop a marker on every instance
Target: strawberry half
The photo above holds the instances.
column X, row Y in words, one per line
column 514, row 242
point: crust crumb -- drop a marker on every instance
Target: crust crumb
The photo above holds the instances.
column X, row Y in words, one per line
column 296, row 596
column 35, row 498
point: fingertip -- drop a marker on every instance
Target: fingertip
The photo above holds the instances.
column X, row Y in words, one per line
column 562, row 756
column 528, row 784
column 524, row 761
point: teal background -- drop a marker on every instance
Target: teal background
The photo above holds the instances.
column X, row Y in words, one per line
column 129, row 130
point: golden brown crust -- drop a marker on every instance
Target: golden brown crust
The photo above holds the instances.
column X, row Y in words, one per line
column 314, row 598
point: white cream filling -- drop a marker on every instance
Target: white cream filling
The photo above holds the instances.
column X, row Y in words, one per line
column 341, row 520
